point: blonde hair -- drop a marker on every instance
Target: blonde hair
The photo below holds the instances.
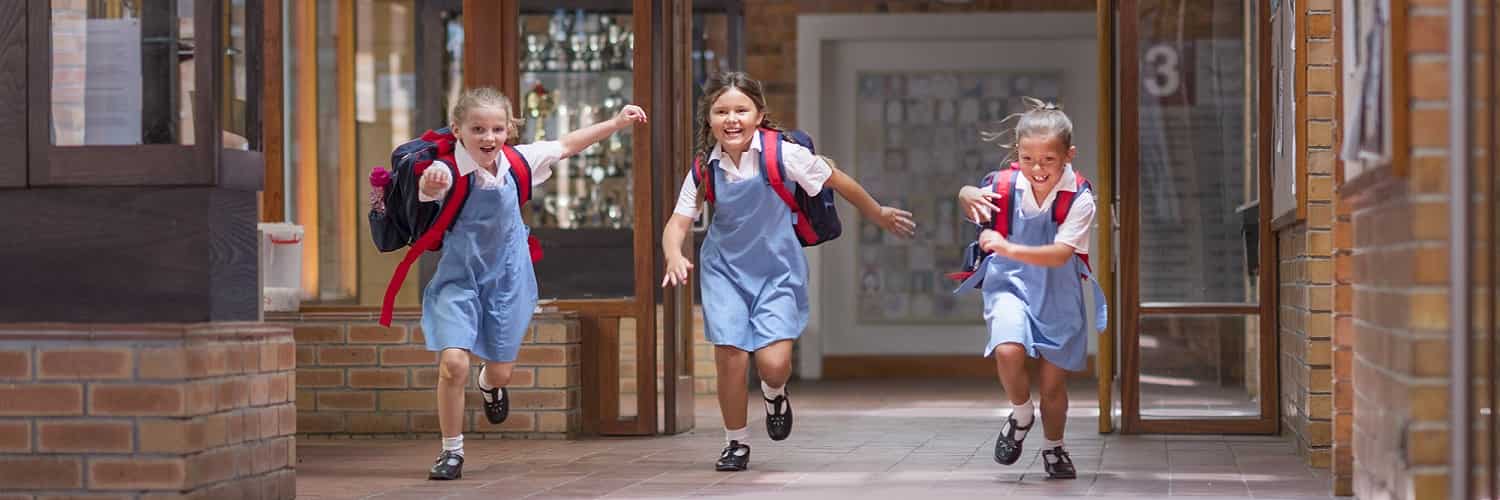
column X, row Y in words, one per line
column 1041, row 119
column 486, row 97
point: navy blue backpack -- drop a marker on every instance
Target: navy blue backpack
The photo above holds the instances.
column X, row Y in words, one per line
column 817, row 217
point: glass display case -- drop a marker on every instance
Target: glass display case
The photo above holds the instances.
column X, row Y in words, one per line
column 577, row 66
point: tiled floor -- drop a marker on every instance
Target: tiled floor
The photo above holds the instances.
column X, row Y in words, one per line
column 868, row 440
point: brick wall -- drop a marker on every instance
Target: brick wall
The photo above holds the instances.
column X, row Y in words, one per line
column 1305, row 255
column 705, row 374
column 1398, row 276
column 161, row 411
column 357, row 378
column 771, row 40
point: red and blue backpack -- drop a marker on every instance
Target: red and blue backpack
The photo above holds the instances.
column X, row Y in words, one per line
column 817, row 219
column 406, row 221
column 1003, row 183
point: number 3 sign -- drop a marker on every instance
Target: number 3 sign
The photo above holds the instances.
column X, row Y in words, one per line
column 1167, row 73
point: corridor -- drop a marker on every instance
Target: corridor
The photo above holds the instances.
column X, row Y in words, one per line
column 866, row 439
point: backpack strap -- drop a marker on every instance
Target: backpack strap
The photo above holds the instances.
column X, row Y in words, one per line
column 775, row 172
column 1005, row 182
column 704, row 179
column 1063, row 203
column 429, row 239
column 520, row 172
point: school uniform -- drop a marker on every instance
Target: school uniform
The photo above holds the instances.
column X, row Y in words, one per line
column 752, row 269
column 484, row 292
column 1042, row 308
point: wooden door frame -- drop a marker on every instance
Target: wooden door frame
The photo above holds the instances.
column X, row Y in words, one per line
column 1130, row 306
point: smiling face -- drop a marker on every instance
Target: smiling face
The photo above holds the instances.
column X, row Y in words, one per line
column 483, row 130
column 1042, row 160
column 733, row 119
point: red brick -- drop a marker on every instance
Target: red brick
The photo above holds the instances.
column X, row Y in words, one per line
column 15, row 365
column 41, row 400
column 357, row 401
column 234, row 427
column 260, row 389
column 542, row 355
column 425, row 422
column 288, row 356
column 32, row 472
column 377, row 424
column 85, row 436
column 202, row 397
column 408, row 401
column 172, row 435
column 233, row 393
column 523, row 377
column 169, row 363
column 417, row 337
column 407, row 356
column 1427, row 33
column 342, row 356
column 320, row 422
column 208, row 360
column 270, row 425
column 212, row 466
column 286, row 420
column 15, row 436
column 382, row 378
column 269, row 352
column 306, row 356
column 282, row 388
column 101, row 364
column 137, row 474
column 310, row 377
column 555, row 421
column 539, row 399
column 143, row 400
column 318, row 334
column 424, row 377
column 375, row 334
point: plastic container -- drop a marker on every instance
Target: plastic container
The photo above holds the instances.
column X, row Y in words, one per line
column 281, row 266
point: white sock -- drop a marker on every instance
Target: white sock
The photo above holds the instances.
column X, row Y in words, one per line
column 770, row 392
column 1052, row 445
column 1024, row 414
column 741, row 434
column 454, row 444
column 483, row 387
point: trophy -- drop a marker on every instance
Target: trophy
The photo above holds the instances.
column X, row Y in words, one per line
column 596, row 52
column 539, row 106
column 532, row 59
column 579, row 54
column 612, row 103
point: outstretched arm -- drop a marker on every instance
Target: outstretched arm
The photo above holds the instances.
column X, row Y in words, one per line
column 891, row 219
column 577, row 140
column 671, row 248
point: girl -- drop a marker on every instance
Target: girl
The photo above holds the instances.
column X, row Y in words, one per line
column 1033, row 297
column 482, row 296
column 754, row 270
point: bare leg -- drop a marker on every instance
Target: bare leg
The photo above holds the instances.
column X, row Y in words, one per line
column 453, row 377
column 732, row 364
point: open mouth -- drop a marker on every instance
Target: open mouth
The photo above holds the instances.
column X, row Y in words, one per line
column 733, row 133
column 487, row 149
column 1040, row 179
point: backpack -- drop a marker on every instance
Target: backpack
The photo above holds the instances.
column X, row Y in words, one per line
column 406, row 221
column 1003, row 183
column 817, row 218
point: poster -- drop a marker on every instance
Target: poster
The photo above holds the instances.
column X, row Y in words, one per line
column 919, row 141
column 1366, row 93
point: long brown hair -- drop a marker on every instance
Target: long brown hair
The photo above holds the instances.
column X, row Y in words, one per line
column 704, row 143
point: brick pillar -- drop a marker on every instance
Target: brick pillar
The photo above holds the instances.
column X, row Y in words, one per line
column 357, row 378
column 162, row 411
column 1306, row 253
column 1399, row 279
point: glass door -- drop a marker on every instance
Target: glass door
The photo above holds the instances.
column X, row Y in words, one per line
column 1197, row 337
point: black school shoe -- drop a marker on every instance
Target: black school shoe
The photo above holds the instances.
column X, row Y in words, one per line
column 496, row 404
column 735, row 457
column 1059, row 465
column 1007, row 447
column 779, row 417
column 449, row 465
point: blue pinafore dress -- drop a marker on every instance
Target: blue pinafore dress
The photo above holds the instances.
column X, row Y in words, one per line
column 753, row 270
column 1039, row 308
column 484, row 291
